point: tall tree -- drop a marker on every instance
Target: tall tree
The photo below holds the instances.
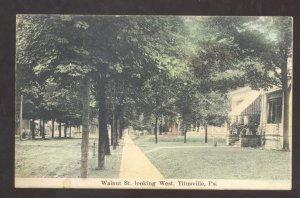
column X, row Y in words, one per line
column 85, row 127
column 238, row 51
column 48, row 45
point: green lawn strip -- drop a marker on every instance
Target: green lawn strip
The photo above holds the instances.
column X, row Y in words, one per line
column 60, row 158
column 216, row 162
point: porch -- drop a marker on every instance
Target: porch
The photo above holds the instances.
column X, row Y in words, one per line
column 243, row 130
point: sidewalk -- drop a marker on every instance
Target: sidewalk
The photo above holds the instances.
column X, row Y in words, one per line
column 135, row 164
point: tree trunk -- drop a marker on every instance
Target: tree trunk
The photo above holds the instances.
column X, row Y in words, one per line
column 121, row 130
column 284, row 50
column 102, row 118
column 21, row 117
column 185, row 130
column 161, row 128
column 65, row 129
column 85, row 127
column 43, row 130
column 286, row 144
column 285, row 123
column 205, row 139
column 155, row 129
column 112, row 132
column 32, row 126
column 40, row 127
column 59, row 130
column 107, row 147
column 52, row 128
column 117, row 132
column 70, row 135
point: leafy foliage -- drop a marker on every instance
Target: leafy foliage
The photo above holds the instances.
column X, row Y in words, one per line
column 177, row 67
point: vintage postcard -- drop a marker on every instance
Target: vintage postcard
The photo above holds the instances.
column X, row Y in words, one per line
column 153, row 102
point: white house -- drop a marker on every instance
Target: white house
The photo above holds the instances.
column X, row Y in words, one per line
column 256, row 118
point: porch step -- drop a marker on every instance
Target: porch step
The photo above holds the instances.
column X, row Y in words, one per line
column 236, row 144
column 251, row 141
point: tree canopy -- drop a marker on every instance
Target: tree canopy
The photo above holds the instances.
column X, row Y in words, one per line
column 178, row 67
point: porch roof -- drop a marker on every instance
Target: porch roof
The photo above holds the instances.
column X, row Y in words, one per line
column 249, row 106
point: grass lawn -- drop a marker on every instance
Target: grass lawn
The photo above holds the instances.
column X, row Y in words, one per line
column 147, row 142
column 195, row 159
column 60, row 158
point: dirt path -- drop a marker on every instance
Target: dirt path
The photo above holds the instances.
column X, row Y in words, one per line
column 135, row 165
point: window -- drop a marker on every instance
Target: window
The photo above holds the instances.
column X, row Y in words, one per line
column 275, row 110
